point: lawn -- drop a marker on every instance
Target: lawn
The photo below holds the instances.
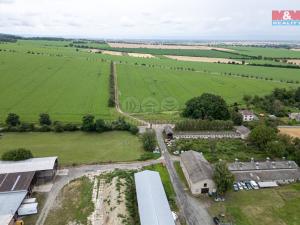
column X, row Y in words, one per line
column 65, row 86
column 77, row 147
column 180, row 173
column 144, row 89
column 74, row 204
column 278, row 206
column 165, row 178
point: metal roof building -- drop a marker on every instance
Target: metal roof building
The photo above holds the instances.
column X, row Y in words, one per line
column 34, row 164
column 153, row 205
column 16, row 181
column 10, row 202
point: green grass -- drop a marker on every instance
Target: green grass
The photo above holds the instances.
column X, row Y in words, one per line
column 75, row 204
column 77, row 147
column 164, row 175
column 143, row 89
column 180, row 173
column 225, row 149
column 278, row 206
column 267, row 52
column 65, row 87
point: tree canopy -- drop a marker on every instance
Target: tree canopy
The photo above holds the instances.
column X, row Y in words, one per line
column 149, row 140
column 45, row 119
column 17, row 154
column 207, row 106
column 261, row 135
column 222, row 177
column 12, row 120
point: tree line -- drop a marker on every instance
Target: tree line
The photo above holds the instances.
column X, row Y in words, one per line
column 89, row 124
column 112, row 91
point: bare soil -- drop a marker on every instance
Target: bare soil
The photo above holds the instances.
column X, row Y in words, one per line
column 294, row 132
column 202, row 59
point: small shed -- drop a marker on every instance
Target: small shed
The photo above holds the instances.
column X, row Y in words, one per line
column 169, row 131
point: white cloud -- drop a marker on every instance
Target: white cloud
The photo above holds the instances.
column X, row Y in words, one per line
column 146, row 19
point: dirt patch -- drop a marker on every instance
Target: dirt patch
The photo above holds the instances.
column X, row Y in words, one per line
column 295, row 49
column 202, row 59
column 111, row 53
column 153, row 46
column 294, row 132
column 140, row 55
column 294, row 61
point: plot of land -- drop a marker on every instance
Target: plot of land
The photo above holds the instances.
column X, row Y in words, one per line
column 112, row 53
column 292, row 131
column 278, row 206
column 159, row 46
column 65, row 87
column 158, row 90
column 294, row 61
column 76, row 147
column 140, row 55
column 202, row 59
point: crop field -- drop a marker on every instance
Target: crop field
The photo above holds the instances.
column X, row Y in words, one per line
column 77, row 147
column 64, row 87
column 267, row 52
column 143, row 89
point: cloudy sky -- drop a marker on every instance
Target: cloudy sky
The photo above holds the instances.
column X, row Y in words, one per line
column 178, row 19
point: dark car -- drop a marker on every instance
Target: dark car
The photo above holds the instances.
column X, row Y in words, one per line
column 216, row 220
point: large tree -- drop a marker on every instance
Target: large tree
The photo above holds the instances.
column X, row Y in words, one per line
column 149, row 140
column 12, row 120
column 207, row 106
column 261, row 135
column 223, row 178
column 88, row 123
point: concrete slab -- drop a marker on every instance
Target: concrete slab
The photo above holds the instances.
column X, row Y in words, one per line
column 63, row 172
column 44, row 188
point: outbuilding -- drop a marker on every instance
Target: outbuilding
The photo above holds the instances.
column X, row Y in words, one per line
column 198, row 172
column 153, row 205
column 169, row 131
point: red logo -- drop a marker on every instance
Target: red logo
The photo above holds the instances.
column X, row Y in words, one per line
column 286, row 15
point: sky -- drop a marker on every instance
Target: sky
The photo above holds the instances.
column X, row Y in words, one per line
column 148, row 19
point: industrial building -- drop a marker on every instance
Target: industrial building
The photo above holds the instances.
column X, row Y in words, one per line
column 198, row 172
column 153, row 205
column 17, row 179
column 280, row 172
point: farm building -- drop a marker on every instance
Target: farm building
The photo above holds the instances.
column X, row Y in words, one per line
column 294, row 116
column 44, row 168
column 153, row 205
column 247, row 115
column 280, row 172
column 198, row 172
column 168, row 131
column 239, row 132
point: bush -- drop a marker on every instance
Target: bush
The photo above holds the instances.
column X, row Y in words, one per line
column 45, row 119
column 148, row 156
column 44, row 128
column 16, row 155
column 149, row 140
column 12, row 120
column 26, row 127
column 198, row 125
column 58, row 127
column 70, row 127
column 133, row 129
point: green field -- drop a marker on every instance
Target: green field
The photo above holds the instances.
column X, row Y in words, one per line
column 77, row 147
column 277, row 206
column 65, row 87
column 143, row 89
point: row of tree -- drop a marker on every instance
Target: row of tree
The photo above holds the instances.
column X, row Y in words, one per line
column 276, row 102
column 89, row 124
column 198, row 125
column 112, row 91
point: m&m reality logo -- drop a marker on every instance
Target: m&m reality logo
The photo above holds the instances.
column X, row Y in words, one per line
column 286, row 17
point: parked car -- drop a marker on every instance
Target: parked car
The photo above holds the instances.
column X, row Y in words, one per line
column 235, row 187
column 216, row 220
column 240, row 185
column 254, row 184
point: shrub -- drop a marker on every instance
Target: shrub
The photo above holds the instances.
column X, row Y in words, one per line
column 70, row 127
column 58, row 127
column 12, row 119
column 16, row 155
column 133, row 129
column 149, row 140
column 44, row 128
column 45, row 119
column 26, row 127
column 198, row 125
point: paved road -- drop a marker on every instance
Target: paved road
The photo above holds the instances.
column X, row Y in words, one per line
column 77, row 172
column 194, row 212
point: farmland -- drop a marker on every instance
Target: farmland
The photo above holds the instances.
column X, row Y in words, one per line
column 64, row 87
column 166, row 90
column 76, row 147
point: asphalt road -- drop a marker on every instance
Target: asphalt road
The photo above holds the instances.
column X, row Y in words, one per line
column 193, row 211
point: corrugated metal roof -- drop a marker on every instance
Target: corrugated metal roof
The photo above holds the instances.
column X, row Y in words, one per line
column 34, row 164
column 196, row 166
column 15, row 181
column 10, row 202
column 153, row 205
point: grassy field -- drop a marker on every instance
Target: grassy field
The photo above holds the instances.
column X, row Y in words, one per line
column 267, row 52
column 164, row 175
column 180, row 174
column 65, row 87
column 278, row 206
column 143, row 89
column 74, row 204
column 77, row 147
